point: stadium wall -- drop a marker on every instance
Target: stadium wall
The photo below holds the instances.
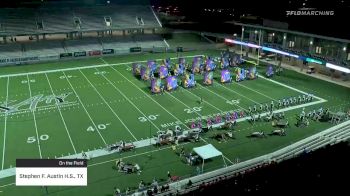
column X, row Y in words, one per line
column 80, row 54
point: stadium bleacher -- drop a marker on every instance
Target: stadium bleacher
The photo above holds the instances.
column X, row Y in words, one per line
column 24, row 20
column 43, row 48
column 38, row 21
column 86, row 44
column 10, row 51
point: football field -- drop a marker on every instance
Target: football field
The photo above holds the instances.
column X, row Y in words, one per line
column 60, row 109
column 64, row 112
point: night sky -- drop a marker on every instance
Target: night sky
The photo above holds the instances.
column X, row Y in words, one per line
column 335, row 26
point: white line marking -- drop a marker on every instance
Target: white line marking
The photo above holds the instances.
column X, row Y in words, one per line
column 200, row 115
column 36, row 127
column 59, row 110
column 197, row 97
column 148, row 96
column 7, row 185
column 221, row 97
column 5, row 124
column 284, row 85
column 116, row 115
column 166, row 43
column 84, row 67
column 204, row 100
column 222, row 153
column 11, row 171
column 104, row 141
column 237, row 93
column 41, row 108
column 129, row 100
column 256, row 91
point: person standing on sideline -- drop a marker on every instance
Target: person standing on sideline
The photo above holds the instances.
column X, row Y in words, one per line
column 198, row 169
column 169, row 176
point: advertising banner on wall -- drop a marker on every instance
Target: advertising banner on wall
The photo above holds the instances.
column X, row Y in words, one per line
column 18, row 60
column 107, row 51
column 135, row 49
column 79, row 54
column 95, row 53
column 66, row 55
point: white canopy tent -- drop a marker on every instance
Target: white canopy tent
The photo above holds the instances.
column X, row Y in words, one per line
column 207, row 152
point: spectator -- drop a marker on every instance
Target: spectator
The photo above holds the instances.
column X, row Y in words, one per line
column 198, row 169
column 169, row 176
column 127, row 192
column 149, row 192
column 116, row 191
column 155, row 190
column 189, row 183
column 141, row 185
column 166, row 187
column 154, row 183
column 138, row 169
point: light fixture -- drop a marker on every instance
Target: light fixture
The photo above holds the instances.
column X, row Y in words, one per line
column 311, row 42
column 273, row 34
column 344, row 49
column 284, row 37
column 256, row 32
column 339, row 68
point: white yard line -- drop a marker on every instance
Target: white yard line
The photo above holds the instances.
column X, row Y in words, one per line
column 197, row 97
column 7, row 185
column 222, row 153
column 110, row 82
column 85, row 67
column 256, row 91
column 5, row 124
column 222, row 97
column 12, row 172
column 103, row 99
column 238, row 93
column 188, row 107
column 41, row 108
column 104, row 141
column 36, row 127
column 149, row 97
column 64, row 122
column 292, row 88
column 130, row 156
column 204, row 100
column 166, row 43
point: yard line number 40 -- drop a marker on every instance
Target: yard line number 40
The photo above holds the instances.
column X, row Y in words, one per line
column 99, row 127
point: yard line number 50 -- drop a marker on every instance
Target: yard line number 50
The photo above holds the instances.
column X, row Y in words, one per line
column 32, row 139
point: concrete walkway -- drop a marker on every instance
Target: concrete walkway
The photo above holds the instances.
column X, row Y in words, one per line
column 297, row 69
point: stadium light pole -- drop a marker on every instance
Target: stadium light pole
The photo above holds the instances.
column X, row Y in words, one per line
column 242, row 40
column 259, row 47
